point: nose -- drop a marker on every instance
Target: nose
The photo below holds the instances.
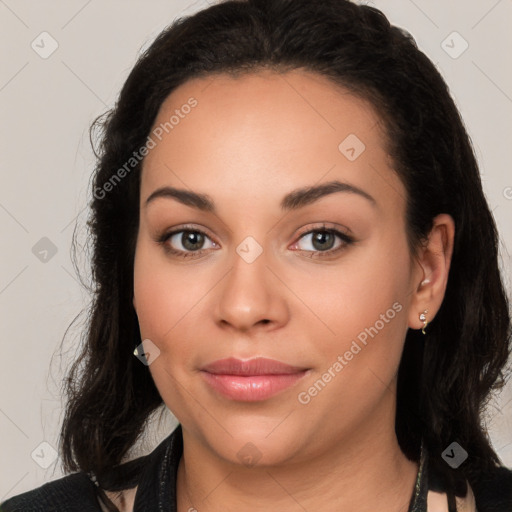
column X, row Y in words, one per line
column 251, row 297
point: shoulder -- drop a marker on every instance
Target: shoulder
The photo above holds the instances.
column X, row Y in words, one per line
column 493, row 491
column 474, row 490
column 73, row 492
column 78, row 493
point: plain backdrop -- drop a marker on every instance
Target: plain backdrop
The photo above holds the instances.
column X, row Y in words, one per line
column 63, row 63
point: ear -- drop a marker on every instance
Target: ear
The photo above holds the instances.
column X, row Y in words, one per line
column 431, row 269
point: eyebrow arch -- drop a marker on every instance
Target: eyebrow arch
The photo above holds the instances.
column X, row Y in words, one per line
column 294, row 200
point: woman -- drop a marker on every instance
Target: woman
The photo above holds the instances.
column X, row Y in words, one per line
column 290, row 234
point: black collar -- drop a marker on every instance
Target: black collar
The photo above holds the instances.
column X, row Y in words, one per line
column 157, row 484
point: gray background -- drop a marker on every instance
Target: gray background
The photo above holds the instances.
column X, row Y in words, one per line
column 46, row 107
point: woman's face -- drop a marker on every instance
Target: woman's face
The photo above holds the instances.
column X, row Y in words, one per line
column 273, row 264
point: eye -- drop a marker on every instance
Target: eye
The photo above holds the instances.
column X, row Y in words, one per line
column 323, row 241
column 186, row 242
column 192, row 242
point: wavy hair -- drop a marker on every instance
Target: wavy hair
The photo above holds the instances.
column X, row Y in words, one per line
column 445, row 379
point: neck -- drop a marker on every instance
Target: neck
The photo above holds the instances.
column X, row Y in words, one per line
column 363, row 472
column 377, row 477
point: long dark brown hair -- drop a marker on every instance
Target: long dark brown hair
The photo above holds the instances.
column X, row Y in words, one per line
column 445, row 379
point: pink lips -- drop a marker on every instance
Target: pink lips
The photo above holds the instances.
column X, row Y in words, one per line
column 250, row 381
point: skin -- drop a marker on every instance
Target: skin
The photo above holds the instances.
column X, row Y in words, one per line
column 250, row 141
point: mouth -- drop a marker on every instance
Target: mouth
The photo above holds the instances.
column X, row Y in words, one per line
column 252, row 380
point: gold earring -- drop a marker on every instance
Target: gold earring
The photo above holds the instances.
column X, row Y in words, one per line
column 423, row 318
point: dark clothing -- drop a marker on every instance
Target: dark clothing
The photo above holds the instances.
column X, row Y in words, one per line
column 155, row 475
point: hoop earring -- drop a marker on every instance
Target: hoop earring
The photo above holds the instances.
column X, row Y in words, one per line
column 423, row 318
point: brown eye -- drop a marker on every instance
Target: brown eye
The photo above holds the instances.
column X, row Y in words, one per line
column 186, row 242
column 192, row 240
column 323, row 240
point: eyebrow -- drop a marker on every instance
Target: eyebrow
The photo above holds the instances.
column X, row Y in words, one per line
column 294, row 200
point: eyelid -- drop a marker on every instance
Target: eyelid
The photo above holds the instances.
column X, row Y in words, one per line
column 345, row 238
column 325, row 226
column 166, row 235
column 187, row 227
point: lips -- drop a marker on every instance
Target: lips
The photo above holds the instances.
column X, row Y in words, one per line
column 257, row 366
column 252, row 380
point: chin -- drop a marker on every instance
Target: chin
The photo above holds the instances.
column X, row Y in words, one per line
column 257, row 442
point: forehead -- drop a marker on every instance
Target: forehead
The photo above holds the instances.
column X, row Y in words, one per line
column 266, row 131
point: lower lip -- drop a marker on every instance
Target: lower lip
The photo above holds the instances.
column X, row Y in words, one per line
column 251, row 388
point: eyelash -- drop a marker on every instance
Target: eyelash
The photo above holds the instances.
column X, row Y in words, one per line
column 165, row 236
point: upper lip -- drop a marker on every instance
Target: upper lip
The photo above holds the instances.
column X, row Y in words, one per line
column 256, row 366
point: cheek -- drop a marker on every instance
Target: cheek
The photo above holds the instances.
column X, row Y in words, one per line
column 164, row 304
column 351, row 296
column 152, row 294
column 358, row 365
column 362, row 302
column 165, row 294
